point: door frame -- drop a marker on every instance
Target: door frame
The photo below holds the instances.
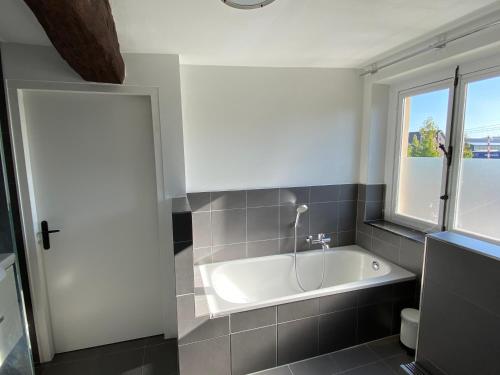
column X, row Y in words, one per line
column 25, row 188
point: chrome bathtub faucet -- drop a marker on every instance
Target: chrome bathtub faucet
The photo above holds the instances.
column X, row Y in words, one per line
column 322, row 239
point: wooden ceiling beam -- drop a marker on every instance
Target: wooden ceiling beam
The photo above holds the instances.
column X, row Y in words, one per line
column 84, row 34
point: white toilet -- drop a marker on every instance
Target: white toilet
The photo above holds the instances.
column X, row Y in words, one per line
column 409, row 327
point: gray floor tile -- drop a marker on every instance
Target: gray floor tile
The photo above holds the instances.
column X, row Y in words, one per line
column 123, row 363
column 283, row 370
column 354, row 357
column 160, row 359
column 378, row 368
column 323, row 365
column 387, row 347
column 395, row 362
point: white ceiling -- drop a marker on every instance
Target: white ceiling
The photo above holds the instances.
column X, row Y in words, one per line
column 305, row 33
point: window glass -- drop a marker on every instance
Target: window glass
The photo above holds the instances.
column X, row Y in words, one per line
column 478, row 205
column 424, row 121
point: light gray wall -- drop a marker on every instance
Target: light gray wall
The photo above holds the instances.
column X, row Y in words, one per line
column 248, row 128
column 38, row 63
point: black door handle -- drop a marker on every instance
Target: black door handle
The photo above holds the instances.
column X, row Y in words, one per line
column 45, row 234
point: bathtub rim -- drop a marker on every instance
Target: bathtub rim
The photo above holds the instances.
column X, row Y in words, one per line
column 397, row 275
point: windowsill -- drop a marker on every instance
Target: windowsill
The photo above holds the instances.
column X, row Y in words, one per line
column 408, row 233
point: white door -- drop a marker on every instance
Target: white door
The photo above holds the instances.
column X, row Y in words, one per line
column 93, row 166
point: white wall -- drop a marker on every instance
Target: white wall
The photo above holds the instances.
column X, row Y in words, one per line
column 37, row 63
column 268, row 127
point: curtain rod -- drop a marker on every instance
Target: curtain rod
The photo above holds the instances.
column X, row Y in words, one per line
column 436, row 45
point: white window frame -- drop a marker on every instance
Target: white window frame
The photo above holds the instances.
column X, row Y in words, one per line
column 469, row 72
column 456, row 168
column 391, row 213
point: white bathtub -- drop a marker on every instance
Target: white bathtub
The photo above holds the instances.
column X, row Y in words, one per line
column 247, row 284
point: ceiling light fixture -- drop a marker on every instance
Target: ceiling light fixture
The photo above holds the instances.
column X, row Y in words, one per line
column 247, row 4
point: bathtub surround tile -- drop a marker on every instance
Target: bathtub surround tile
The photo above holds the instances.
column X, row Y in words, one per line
column 262, row 223
column 263, row 197
column 298, row 310
column 253, row 350
column 326, row 193
column 338, row 302
column 202, row 233
column 228, row 252
column 374, row 321
column 348, row 192
column 364, row 240
column 228, row 200
column 337, row 330
column 387, row 237
column 192, row 328
column 324, row 217
column 294, row 195
column 228, row 227
column 263, row 248
column 371, row 296
column 297, row 340
column 287, row 218
column 206, row 357
column 199, row 201
column 411, row 256
column 374, row 211
column 347, row 215
column 253, row 319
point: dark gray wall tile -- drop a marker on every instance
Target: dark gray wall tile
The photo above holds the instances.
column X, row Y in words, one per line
column 253, row 319
column 228, row 227
column 388, row 237
column 263, row 248
column 182, row 229
column 287, row 221
column 262, row 223
column 226, row 200
column 337, row 330
column 263, row 197
column 327, row 193
column 206, row 357
column 202, row 255
column 455, row 335
column 323, row 217
column 411, row 256
column 191, row 328
column 337, row 302
column 361, row 192
column 465, row 273
column 228, row 252
column 297, row 340
column 294, row 195
column 199, row 201
column 287, row 244
column 347, row 215
column 364, row 240
column 347, row 238
column 297, row 310
column 374, row 295
column 348, row 192
column 375, row 193
column 374, row 211
column 184, row 277
column 253, row 350
column 202, row 235
column 385, row 250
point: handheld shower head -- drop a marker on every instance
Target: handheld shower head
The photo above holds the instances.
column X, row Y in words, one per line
column 301, row 209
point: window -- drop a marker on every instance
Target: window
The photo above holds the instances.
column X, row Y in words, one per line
column 478, row 192
column 420, row 165
column 423, row 127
